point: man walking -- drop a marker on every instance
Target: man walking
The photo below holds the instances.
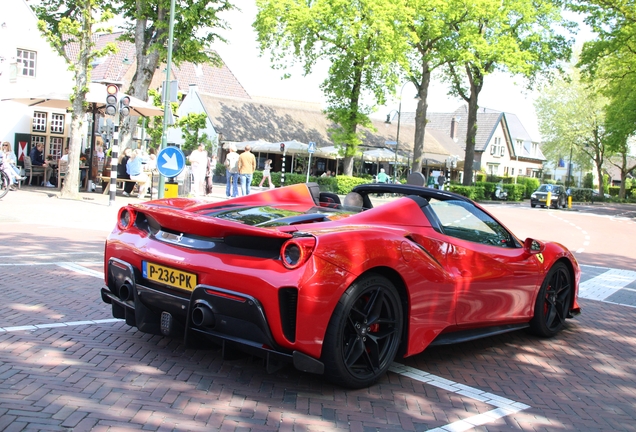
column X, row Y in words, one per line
column 231, row 172
column 247, row 165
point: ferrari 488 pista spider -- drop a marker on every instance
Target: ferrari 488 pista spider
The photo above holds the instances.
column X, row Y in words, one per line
column 340, row 289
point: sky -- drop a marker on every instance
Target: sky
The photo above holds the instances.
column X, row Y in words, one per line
column 241, row 54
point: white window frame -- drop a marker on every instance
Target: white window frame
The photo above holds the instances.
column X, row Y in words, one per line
column 27, row 62
column 57, row 123
column 39, row 121
column 55, row 147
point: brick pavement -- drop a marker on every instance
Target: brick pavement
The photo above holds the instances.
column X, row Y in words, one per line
column 92, row 373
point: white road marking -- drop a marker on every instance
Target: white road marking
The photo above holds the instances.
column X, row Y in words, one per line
column 606, row 284
column 52, row 325
column 79, row 269
column 504, row 406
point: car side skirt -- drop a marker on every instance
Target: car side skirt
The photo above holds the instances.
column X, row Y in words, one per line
column 472, row 334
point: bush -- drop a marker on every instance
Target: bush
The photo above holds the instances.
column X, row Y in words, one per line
column 344, row 184
column 588, row 181
column 515, row 192
column 219, row 169
column 475, row 193
column 531, row 184
column 480, row 177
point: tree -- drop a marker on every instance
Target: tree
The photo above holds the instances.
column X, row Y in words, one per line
column 430, row 26
column 191, row 130
column 610, row 60
column 67, row 23
column 147, row 27
column 357, row 38
column 572, row 118
column 518, row 36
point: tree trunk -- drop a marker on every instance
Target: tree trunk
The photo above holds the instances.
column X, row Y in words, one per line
column 471, row 133
column 420, row 118
column 147, row 62
column 72, row 177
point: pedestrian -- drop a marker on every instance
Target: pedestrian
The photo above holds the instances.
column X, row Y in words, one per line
column 135, row 171
column 267, row 174
column 198, row 162
column 122, row 172
column 231, row 172
column 8, row 165
column 441, row 179
column 382, row 177
column 247, row 166
column 37, row 159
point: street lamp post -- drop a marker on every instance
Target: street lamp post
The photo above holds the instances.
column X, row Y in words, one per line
column 397, row 134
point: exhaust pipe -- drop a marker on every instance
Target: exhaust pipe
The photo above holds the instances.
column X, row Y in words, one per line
column 202, row 316
column 126, row 292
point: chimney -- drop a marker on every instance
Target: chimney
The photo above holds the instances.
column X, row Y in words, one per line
column 453, row 127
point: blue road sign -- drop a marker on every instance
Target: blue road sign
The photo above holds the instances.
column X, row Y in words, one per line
column 170, row 161
column 312, row 147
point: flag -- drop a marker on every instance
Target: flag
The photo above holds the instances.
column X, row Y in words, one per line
column 561, row 163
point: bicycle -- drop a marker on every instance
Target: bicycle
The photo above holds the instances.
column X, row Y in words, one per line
column 5, row 184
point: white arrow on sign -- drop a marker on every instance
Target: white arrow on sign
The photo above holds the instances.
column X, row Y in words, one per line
column 170, row 162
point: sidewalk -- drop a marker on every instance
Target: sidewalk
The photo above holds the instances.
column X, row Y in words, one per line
column 43, row 206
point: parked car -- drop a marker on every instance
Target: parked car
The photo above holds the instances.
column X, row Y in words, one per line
column 335, row 288
column 558, row 196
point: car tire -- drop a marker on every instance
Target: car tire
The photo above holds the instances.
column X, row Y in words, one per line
column 533, row 205
column 553, row 302
column 364, row 333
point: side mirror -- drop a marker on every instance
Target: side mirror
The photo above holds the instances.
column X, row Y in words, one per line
column 532, row 246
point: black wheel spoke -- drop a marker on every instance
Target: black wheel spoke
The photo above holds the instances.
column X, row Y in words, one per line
column 355, row 348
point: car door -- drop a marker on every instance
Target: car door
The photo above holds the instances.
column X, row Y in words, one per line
column 495, row 278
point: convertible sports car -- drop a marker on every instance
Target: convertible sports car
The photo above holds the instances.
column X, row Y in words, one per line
column 340, row 289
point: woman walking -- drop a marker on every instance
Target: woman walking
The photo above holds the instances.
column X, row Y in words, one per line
column 266, row 174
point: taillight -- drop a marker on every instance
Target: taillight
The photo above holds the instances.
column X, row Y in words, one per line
column 126, row 218
column 296, row 251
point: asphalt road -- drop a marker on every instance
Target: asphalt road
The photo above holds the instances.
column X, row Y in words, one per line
column 65, row 364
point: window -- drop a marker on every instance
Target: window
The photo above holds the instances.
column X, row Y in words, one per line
column 26, row 61
column 464, row 221
column 502, row 149
column 57, row 123
column 55, row 149
column 39, row 122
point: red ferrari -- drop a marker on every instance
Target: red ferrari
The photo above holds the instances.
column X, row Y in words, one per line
column 340, row 289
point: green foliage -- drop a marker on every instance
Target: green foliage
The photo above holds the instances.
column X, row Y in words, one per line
column 581, row 194
column 346, row 183
column 359, row 40
column 516, row 192
column 475, row 193
column 191, row 131
column 220, row 170
column 480, row 177
column 588, row 180
column 531, row 184
column 73, row 22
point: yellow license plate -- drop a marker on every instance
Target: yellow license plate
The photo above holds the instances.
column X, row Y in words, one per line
column 169, row 276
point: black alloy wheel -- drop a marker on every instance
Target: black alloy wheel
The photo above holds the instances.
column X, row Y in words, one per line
column 364, row 333
column 553, row 302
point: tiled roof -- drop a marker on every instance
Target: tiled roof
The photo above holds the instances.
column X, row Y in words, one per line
column 121, row 65
column 487, row 121
column 275, row 120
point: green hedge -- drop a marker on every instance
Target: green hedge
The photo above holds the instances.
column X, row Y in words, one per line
column 341, row 184
column 531, row 184
column 475, row 193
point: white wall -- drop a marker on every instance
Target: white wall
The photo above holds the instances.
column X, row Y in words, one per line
column 18, row 29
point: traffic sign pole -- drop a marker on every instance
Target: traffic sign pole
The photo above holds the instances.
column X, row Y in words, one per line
column 311, row 149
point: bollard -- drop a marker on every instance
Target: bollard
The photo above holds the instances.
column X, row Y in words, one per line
column 548, row 200
column 569, row 201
